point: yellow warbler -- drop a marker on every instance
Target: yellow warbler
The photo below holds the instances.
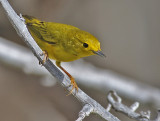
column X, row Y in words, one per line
column 62, row 42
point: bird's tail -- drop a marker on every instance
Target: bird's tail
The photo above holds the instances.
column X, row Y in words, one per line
column 29, row 20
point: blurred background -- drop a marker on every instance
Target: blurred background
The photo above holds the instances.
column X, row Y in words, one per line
column 129, row 32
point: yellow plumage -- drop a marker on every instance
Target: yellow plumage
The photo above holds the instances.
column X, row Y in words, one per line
column 62, row 42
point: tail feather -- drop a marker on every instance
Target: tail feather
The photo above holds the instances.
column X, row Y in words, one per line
column 29, row 20
column 36, row 27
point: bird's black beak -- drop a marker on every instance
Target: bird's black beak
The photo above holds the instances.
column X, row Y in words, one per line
column 99, row 53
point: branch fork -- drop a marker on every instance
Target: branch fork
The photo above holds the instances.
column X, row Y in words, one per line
column 116, row 102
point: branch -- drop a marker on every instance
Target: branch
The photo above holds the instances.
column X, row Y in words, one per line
column 158, row 116
column 22, row 31
column 116, row 101
column 87, row 109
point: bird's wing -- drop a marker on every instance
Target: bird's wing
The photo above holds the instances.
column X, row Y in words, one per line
column 41, row 31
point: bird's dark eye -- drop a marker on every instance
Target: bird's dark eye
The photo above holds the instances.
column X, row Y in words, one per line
column 85, row 45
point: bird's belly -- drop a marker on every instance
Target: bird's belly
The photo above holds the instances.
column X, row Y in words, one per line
column 59, row 54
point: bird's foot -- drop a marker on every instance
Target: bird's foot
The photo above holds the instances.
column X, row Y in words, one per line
column 74, row 86
column 45, row 58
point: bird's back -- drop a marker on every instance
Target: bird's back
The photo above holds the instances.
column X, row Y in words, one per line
column 55, row 38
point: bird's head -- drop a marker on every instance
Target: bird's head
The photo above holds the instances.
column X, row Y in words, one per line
column 89, row 45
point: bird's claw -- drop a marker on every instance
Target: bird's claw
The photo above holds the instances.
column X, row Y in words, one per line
column 45, row 58
column 74, row 86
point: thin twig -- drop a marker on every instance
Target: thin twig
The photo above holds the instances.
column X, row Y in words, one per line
column 158, row 116
column 116, row 103
column 86, row 111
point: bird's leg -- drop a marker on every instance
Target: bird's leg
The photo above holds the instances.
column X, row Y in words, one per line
column 45, row 58
column 73, row 83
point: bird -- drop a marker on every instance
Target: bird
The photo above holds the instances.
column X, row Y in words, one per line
column 62, row 42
